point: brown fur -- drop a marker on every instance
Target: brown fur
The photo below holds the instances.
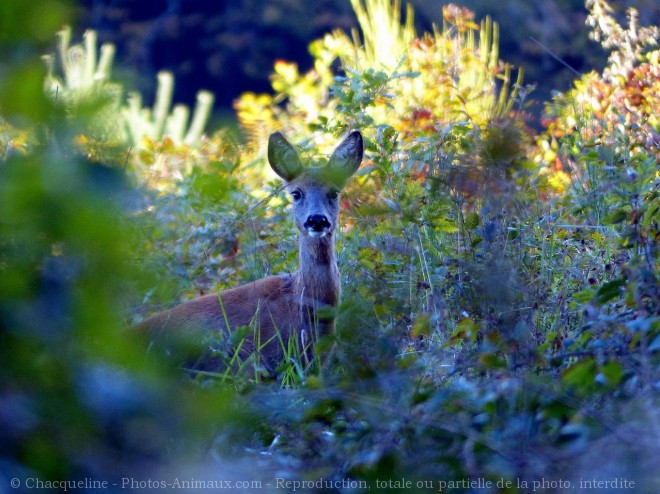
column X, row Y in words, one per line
column 268, row 304
column 279, row 307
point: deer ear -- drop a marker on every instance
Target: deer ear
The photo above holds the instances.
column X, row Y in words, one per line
column 346, row 159
column 283, row 158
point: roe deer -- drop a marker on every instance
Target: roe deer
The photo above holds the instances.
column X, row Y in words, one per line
column 280, row 307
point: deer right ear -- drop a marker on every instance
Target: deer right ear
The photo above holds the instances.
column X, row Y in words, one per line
column 283, row 158
column 346, row 159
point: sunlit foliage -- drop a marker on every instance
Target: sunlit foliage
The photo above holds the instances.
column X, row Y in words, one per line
column 448, row 76
column 501, row 308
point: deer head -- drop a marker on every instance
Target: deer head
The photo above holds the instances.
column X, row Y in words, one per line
column 315, row 190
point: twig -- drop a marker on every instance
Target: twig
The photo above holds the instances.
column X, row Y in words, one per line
column 556, row 57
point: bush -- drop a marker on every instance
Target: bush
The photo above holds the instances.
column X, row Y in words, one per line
column 500, row 315
column 79, row 397
column 523, row 317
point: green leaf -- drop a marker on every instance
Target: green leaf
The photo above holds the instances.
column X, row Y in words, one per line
column 582, row 375
column 422, row 326
column 238, row 336
column 22, row 92
column 610, row 290
column 616, row 216
column 212, row 186
column 445, row 225
column 472, row 221
column 584, row 296
column 476, row 241
column 491, row 360
column 466, row 329
column 651, row 214
column 612, row 372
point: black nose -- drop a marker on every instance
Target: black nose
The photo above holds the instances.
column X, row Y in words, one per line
column 317, row 222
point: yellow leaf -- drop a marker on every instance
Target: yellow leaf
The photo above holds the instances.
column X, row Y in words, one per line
column 422, row 326
column 167, row 146
column 146, row 157
column 560, row 181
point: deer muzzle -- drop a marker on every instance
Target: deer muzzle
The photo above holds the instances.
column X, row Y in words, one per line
column 317, row 225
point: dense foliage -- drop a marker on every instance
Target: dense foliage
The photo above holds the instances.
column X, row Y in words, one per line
column 229, row 47
column 500, row 323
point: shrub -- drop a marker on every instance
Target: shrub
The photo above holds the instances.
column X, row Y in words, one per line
column 79, row 398
column 500, row 314
column 409, row 82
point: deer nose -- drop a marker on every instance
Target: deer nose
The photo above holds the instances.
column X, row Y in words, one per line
column 317, row 223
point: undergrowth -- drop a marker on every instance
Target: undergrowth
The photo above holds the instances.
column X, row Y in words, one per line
column 500, row 314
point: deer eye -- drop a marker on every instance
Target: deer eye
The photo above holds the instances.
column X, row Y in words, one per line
column 297, row 195
column 333, row 194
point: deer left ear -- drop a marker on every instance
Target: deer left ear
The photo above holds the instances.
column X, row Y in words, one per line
column 283, row 158
column 346, row 159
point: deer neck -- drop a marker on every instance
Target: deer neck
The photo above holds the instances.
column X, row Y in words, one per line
column 317, row 280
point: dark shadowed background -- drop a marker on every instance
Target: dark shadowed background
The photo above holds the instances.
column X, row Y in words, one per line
column 229, row 47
